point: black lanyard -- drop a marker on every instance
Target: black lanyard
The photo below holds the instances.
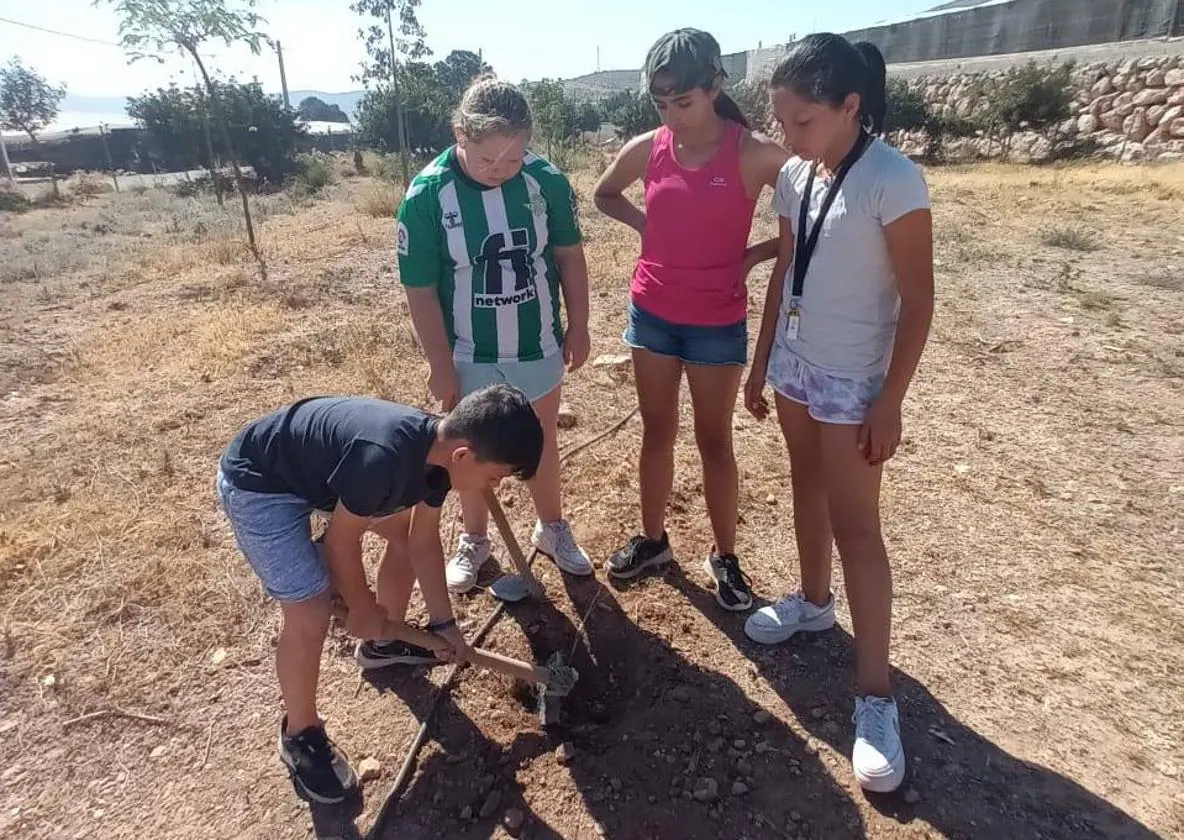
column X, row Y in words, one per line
column 806, row 244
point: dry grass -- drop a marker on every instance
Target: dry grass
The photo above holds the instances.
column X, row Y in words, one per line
column 1034, row 518
column 380, row 201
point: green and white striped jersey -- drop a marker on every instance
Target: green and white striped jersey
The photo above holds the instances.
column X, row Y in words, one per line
column 489, row 253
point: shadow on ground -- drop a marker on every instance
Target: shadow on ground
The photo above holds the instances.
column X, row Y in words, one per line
column 969, row 788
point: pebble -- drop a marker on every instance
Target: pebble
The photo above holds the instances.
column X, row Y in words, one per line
column 715, row 745
column 158, row 752
column 513, row 819
column 369, row 769
column 706, row 790
column 466, row 813
column 566, row 752
column 739, row 789
column 818, row 713
column 763, row 748
column 771, row 499
column 739, row 744
column 744, row 768
column 492, row 802
column 794, row 816
column 761, row 718
column 612, row 361
column 567, row 418
column 682, row 694
column 911, row 796
column 219, row 656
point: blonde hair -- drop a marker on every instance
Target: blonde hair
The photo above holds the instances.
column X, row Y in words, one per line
column 491, row 106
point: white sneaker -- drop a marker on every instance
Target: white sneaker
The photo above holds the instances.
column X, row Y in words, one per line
column 778, row 623
column 878, row 758
column 556, row 540
column 471, row 553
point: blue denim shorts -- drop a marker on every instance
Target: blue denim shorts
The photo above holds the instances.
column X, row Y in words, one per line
column 695, row 345
column 830, row 399
column 535, row 379
column 273, row 530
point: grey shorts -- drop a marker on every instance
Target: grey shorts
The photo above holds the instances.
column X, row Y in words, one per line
column 535, row 379
column 829, row 398
column 274, row 532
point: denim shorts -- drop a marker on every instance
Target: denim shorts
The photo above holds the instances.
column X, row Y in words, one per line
column 535, row 379
column 273, row 530
column 694, row 344
column 829, row 398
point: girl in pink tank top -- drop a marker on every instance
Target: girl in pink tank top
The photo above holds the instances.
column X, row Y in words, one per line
column 703, row 171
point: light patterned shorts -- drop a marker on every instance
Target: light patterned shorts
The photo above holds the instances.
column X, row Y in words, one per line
column 829, row 398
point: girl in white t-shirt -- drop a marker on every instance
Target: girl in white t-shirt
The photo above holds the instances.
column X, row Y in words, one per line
column 846, row 319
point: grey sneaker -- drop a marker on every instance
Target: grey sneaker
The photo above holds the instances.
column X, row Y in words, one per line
column 793, row 614
column 471, row 554
column 878, row 757
column 556, row 540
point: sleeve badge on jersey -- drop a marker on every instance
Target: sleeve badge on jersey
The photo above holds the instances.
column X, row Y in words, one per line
column 403, row 240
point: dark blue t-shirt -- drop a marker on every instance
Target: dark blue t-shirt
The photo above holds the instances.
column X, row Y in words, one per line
column 371, row 455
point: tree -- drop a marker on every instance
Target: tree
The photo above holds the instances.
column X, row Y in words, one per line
column 458, row 70
column 555, row 116
column 384, row 57
column 588, row 118
column 315, row 109
column 632, row 113
column 149, row 28
column 430, row 93
column 262, row 130
column 28, row 102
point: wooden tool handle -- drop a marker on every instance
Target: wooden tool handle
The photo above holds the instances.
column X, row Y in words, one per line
column 507, row 532
column 480, row 658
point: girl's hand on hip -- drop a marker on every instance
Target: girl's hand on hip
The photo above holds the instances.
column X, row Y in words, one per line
column 880, row 434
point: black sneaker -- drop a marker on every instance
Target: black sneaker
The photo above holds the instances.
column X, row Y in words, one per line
column 373, row 655
column 733, row 589
column 639, row 554
column 320, row 771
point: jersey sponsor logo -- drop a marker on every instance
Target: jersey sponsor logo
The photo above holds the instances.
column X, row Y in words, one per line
column 499, row 258
column 403, row 240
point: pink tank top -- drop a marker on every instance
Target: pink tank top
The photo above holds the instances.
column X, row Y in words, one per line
column 691, row 269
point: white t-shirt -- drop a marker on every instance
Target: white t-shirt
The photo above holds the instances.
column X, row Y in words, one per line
column 849, row 304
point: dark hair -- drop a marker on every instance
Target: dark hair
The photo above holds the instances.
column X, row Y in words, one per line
column 691, row 60
column 825, row 67
column 500, row 426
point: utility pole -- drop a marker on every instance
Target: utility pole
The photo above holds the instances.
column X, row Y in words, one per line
column 400, row 122
column 7, row 163
column 107, row 154
column 279, row 51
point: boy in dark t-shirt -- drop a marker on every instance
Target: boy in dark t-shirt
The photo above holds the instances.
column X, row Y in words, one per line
column 373, row 466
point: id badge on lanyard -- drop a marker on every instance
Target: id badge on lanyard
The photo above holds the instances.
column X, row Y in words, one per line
column 808, row 242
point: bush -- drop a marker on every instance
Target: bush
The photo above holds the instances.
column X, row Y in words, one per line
column 89, row 184
column 632, row 113
column 380, row 201
column 313, row 173
column 907, row 109
column 1071, row 239
column 1030, row 97
column 753, row 99
column 12, row 201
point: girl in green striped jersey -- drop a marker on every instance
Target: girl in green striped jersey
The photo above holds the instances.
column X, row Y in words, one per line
column 489, row 242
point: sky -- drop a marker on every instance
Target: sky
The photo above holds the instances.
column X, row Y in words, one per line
column 521, row 39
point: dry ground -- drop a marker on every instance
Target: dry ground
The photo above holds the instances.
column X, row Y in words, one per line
column 1034, row 518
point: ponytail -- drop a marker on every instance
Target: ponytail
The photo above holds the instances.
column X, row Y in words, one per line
column 726, row 108
column 874, row 109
